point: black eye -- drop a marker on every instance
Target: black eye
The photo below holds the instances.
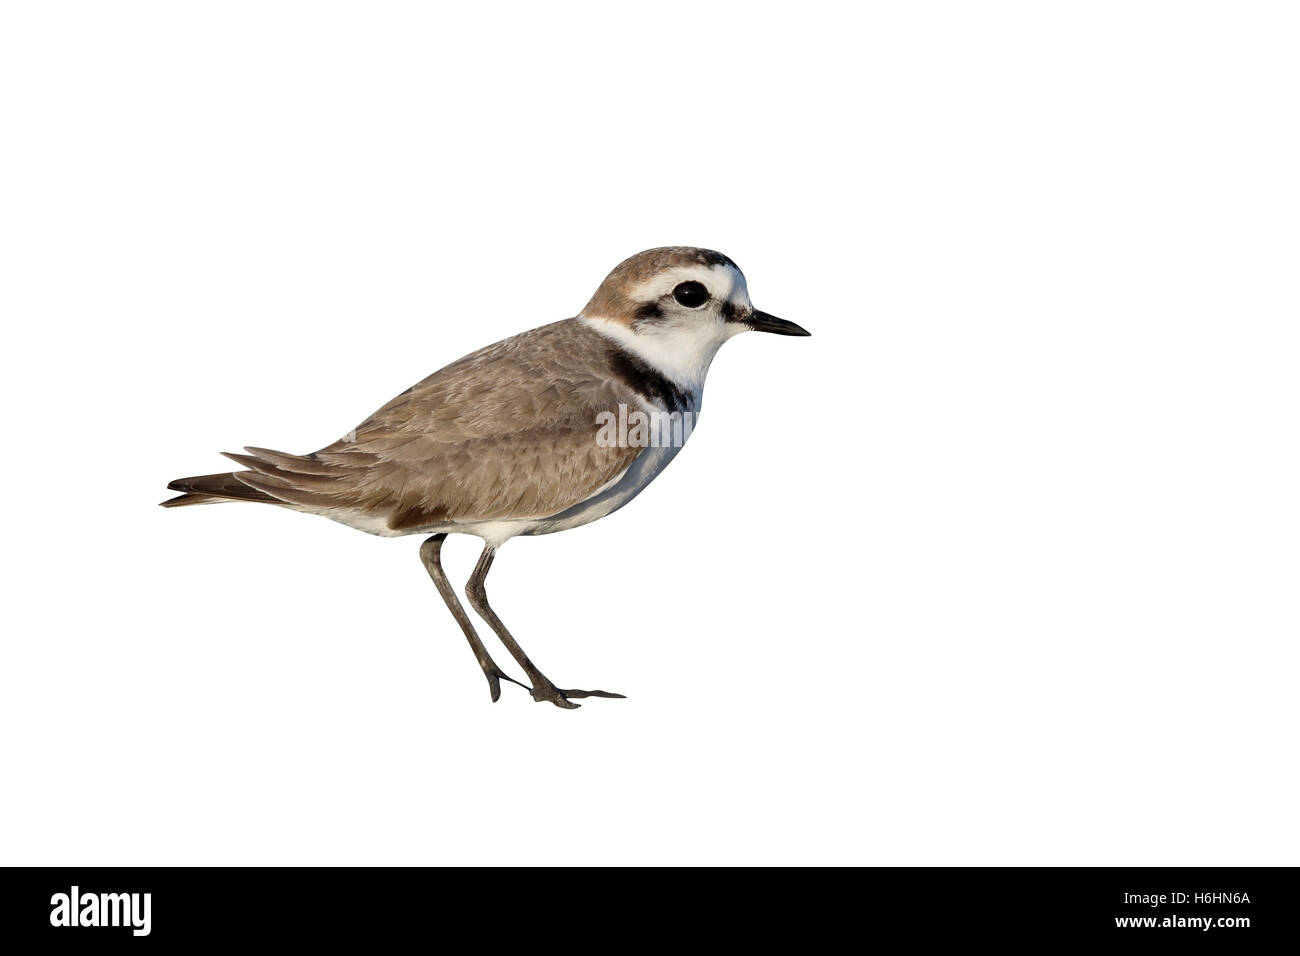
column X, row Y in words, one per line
column 691, row 294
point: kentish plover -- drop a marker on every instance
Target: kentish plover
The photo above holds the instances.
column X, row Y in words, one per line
column 527, row 436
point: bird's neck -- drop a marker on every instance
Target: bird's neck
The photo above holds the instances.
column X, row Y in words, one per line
column 682, row 355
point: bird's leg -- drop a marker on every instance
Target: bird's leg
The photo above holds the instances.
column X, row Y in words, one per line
column 543, row 689
column 431, row 555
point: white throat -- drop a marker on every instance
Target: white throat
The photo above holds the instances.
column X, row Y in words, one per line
column 681, row 354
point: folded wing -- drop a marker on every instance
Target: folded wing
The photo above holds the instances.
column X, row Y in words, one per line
column 506, row 433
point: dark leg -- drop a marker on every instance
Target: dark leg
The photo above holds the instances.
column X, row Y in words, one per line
column 430, row 554
column 543, row 689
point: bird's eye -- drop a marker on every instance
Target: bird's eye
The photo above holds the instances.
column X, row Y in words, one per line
column 691, row 294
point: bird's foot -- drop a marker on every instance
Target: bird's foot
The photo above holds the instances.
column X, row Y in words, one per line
column 495, row 676
column 545, row 690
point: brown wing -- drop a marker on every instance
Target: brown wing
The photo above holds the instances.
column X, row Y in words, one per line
column 508, row 432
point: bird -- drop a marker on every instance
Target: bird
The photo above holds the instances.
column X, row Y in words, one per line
column 545, row 431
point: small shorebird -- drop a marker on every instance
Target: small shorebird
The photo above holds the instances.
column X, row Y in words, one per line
column 518, row 438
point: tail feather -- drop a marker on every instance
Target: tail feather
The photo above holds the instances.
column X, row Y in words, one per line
column 204, row 489
column 181, row 501
column 290, row 479
column 282, row 491
column 297, row 464
column 274, row 477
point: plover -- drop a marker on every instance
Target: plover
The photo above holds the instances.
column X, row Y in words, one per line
column 527, row 436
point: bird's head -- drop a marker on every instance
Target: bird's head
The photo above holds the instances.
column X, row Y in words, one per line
column 677, row 304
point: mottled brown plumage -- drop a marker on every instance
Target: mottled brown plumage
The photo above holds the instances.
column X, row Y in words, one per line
column 507, row 432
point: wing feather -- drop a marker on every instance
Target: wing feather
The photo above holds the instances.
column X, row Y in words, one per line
column 506, row 433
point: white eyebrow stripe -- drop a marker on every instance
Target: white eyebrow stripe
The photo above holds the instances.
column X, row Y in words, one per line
column 722, row 281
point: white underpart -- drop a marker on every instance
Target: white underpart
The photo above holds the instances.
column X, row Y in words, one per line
column 494, row 533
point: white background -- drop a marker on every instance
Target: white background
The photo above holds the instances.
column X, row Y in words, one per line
column 998, row 567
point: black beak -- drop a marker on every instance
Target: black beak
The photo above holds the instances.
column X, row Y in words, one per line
column 762, row 322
